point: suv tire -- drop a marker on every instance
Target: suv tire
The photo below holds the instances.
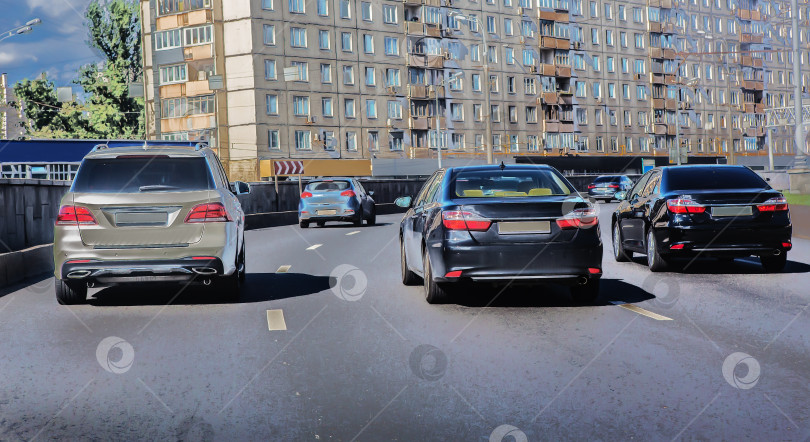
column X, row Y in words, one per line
column 70, row 293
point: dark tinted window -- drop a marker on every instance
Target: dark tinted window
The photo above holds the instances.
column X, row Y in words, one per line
column 508, row 183
column 327, row 186
column 711, row 178
column 147, row 174
column 607, row 179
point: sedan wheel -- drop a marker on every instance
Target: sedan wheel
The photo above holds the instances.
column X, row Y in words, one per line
column 774, row 264
column 434, row 293
column 408, row 277
column 654, row 260
column 619, row 252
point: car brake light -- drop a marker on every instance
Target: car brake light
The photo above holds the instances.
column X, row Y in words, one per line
column 454, row 274
column 579, row 218
column 78, row 261
column 613, row 186
column 591, row 186
column 684, row 205
column 778, row 204
column 208, row 213
column 75, row 215
column 203, row 258
column 306, row 195
column 460, row 220
column 594, row 271
column 787, row 245
column 676, row 247
column 347, row 193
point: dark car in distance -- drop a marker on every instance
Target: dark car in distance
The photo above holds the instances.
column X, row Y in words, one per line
column 605, row 187
column 708, row 210
column 503, row 225
column 336, row 199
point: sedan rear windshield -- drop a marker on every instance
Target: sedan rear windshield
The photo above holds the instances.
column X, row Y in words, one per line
column 327, row 186
column 138, row 175
column 508, row 184
column 712, row 178
column 607, row 179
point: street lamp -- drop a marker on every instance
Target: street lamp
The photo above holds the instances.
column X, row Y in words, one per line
column 438, row 123
column 19, row 30
column 485, row 55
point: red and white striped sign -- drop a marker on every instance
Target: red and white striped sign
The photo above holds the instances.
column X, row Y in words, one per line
column 288, row 167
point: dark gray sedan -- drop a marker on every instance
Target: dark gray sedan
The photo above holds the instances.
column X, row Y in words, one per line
column 605, row 187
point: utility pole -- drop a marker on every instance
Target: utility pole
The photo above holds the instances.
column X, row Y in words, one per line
column 438, row 122
column 488, row 136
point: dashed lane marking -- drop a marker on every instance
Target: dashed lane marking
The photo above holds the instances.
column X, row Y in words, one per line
column 353, row 233
column 275, row 320
column 641, row 311
column 314, row 247
column 283, row 269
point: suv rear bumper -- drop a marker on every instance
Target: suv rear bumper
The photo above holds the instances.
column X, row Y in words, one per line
column 169, row 270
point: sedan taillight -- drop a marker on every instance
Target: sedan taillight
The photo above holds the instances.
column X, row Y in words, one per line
column 75, row 215
column 777, row 204
column 591, row 186
column 460, row 220
column 306, row 195
column 208, row 213
column 579, row 218
column 347, row 193
column 684, row 205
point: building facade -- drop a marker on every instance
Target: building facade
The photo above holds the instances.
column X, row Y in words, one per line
column 11, row 120
column 266, row 79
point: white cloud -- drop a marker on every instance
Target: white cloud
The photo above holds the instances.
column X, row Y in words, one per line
column 13, row 58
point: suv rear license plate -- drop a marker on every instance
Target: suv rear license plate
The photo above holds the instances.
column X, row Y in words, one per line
column 141, row 218
column 732, row 211
column 327, row 212
column 521, row 227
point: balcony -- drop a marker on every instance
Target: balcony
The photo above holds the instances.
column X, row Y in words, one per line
column 201, row 52
column 656, row 52
column 432, row 123
column 553, row 16
column 660, row 129
column 659, row 103
column 671, row 104
column 760, row 108
column 754, row 132
column 670, row 79
column 194, row 122
column 550, row 98
column 669, row 54
column 653, row 26
column 750, row 108
column 551, row 126
column 567, row 128
column 546, row 69
column 172, row 90
column 661, row 4
column 194, row 88
column 418, row 123
column 563, row 70
column 428, row 61
column 417, row 91
column 191, row 18
column 547, row 42
column 431, row 92
column 746, row 38
column 672, row 129
column 656, row 78
column 419, row 28
column 749, row 84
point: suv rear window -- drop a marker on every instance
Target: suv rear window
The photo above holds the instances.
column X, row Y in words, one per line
column 712, row 178
column 327, row 186
column 506, row 183
column 148, row 174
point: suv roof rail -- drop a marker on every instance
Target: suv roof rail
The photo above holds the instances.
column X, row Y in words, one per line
column 200, row 146
column 98, row 147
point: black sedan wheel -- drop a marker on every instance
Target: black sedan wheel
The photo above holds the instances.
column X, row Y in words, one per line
column 408, row 277
column 654, row 260
column 303, row 224
column 620, row 254
column 372, row 219
column 774, row 264
column 434, row 292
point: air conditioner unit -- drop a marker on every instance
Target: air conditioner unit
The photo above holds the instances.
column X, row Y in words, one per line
column 392, row 90
column 446, row 55
column 202, row 75
column 310, row 119
column 577, row 45
column 533, row 69
column 316, row 137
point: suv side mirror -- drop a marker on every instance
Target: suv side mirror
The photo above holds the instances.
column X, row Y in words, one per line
column 621, row 196
column 371, row 192
column 404, row 201
column 240, row 188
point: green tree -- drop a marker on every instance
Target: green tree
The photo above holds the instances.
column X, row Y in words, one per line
column 47, row 118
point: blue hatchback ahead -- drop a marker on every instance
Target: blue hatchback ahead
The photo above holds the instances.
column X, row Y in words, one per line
column 336, row 199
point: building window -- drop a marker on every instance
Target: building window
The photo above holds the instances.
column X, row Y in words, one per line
column 173, row 74
column 300, row 106
column 371, row 109
column 270, row 70
column 368, row 44
column 531, row 114
column 272, row 104
column 349, row 108
column 373, row 140
column 270, row 35
column 529, row 86
column 268, row 5
column 475, row 52
column 493, row 83
column 371, row 77
column 391, row 46
column 272, row 140
column 457, row 141
column 395, row 110
column 323, row 39
column 298, row 37
column 345, row 9
column 303, row 70
column 351, row 141
column 168, row 39
column 323, row 8
column 297, row 6
column 346, row 41
column 457, row 111
column 365, row 8
column 513, row 117
column 495, row 113
column 392, row 77
column 389, row 14
column 457, row 81
column 326, row 73
column 303, row 140
column 326, row 106
column 395, row 141
column 348, row 75
column 476, row 82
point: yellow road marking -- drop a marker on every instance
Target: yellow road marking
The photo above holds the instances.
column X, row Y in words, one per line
column 275, row 320
column 353, row 233
column 641, row 311
column 314, row 247
column 283, row 269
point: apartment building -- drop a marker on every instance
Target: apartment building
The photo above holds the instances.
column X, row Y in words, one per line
column 10, row 119
column 268, row 79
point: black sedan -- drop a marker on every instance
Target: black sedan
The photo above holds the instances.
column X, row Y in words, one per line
column 605, row 187
column 690, row 211
column 500, row 224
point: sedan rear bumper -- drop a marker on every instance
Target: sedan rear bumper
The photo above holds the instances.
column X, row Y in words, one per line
column 136, row 271
column 732, row 241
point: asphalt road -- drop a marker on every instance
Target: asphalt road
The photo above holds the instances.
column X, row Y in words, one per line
column 719, row 351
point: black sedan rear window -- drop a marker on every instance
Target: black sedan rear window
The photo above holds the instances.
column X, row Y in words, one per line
column 142, row 174
column 711, row 178
column 607, row 179
column 508, row 183
column 327, row 186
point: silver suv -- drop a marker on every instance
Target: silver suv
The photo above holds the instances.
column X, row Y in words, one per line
column 149, row 215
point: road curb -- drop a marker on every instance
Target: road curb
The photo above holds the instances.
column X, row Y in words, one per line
column 24, row 264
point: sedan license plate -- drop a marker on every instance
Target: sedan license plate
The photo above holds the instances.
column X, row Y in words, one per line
column 327, row 212
column 732, row 211
column 524, row 227
column 145, row 218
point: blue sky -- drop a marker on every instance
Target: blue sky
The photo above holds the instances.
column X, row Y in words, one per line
column 57, row 46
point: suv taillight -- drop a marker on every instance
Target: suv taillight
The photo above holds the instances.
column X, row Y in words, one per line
column 347, row 193
column 778, row 204
column 306, row 195
column 460, row 220
column 208, row 213
column 684, row 205
column 579, row 218
column 75, row 215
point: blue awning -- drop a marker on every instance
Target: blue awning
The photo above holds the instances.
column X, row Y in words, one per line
column 64, row 151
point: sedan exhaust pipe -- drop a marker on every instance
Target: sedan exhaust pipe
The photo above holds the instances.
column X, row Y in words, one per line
column 204, row 270
column 582, row 280
column 78, row 274
column 207, row 281
column 777, row 252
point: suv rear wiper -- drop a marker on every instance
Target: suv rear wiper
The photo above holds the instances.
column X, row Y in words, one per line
column 156, row 187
